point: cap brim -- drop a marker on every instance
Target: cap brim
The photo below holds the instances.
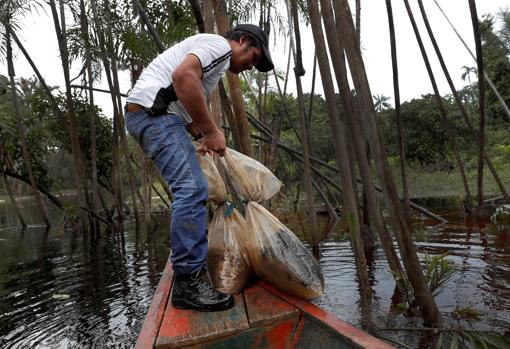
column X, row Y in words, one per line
column 266, row 63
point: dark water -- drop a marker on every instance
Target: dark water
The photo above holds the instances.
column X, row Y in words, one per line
column 59, row 290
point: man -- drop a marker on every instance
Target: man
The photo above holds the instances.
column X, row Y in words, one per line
column 169, row 100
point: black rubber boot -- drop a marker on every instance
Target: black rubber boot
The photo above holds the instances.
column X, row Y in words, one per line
column 196, row 292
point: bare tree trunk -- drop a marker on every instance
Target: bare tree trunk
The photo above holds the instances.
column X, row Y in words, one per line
column 53, row 103
column 481, row 97
column 120, row 121
column 491, row 85
column 412, row 264
column 297, row 154
column 197, row 12
column 21, row 132
column 146, row 188
column 329, row 206
column 41, row 80
column 226, row 106
column 41, row 190
column 170, row 12
column 468, row 200
column 307, row 174
column 277, row 120
column 243, row 141
column 147, row 167
column 312, row 92
column 116, row 183
column 460, row 105
column 358, row 24
column 398, row 116
column 214, row 99
column 337, row 54
column 94, row 202
column 351, row 210
column 79, row 166
column 149, row 25
column 12, row 200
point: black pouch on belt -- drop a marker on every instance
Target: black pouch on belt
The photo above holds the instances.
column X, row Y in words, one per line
column 163, row 99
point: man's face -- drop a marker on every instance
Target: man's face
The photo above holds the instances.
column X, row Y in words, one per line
column 244, row 56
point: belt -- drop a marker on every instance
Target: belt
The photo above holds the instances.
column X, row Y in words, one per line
column 133, row 107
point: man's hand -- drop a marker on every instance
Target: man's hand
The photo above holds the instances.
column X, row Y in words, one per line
column 213, row 142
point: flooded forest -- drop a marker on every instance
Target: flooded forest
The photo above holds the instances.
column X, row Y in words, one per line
column 403, row 203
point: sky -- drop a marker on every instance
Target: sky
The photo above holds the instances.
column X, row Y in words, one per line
column 38, row 36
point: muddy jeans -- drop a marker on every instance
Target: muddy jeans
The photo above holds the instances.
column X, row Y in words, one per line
column 165, row 140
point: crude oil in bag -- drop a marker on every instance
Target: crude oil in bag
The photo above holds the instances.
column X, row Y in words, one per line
column 279, row 257
column 227, row 260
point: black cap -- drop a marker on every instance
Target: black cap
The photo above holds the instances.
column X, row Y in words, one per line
column 266, row 63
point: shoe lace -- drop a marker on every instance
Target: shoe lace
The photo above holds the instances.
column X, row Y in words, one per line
column 203, row 286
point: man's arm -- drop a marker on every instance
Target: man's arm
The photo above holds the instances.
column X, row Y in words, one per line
column 188, row 87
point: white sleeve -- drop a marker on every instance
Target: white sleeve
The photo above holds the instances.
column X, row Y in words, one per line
column 213, row 51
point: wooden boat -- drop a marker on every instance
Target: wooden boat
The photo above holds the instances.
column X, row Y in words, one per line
column 263, row 317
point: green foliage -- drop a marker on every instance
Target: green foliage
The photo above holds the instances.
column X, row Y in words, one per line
column 173, row 21
column 438, row 270
column 421, row 234
column 47, row 137
column 425, row 136
column 497, row 66
column 468, row 313
column 34, row 129
column 503, row 152
column 58, row 138
column 462, row 339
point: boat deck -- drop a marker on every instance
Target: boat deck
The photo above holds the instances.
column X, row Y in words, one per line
column 263, row 317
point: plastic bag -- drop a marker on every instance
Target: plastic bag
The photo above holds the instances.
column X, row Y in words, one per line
column 279, row 257
column 227, row 261
column 254, row 181
column 217, row 190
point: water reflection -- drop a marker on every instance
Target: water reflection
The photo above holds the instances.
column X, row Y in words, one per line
column 63, row 289
column 69, row 291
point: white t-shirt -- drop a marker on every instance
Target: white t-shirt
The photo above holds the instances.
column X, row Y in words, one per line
column 212, row 50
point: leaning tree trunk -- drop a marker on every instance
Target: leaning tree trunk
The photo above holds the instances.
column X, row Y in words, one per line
column 53, row 103
column 243, row 141
column 277, row 119
column 12, row 199
column 337, row 53
column 491, row 84
column 398, row 116
column 351, row 210
column 21, row 132
column 214, row 99
column 312, row 92
column 79, row 166
column 115, row 144
column 458, row 100
column 358, row 24
column 307, row 174
column 120, row 119
column 481, row 97
column 412, row 264
column 94, row 201
column 468, row 200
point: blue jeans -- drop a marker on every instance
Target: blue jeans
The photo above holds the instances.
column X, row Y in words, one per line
column 165, row 140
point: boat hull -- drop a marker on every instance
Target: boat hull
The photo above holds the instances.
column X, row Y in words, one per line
column 263, row 317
